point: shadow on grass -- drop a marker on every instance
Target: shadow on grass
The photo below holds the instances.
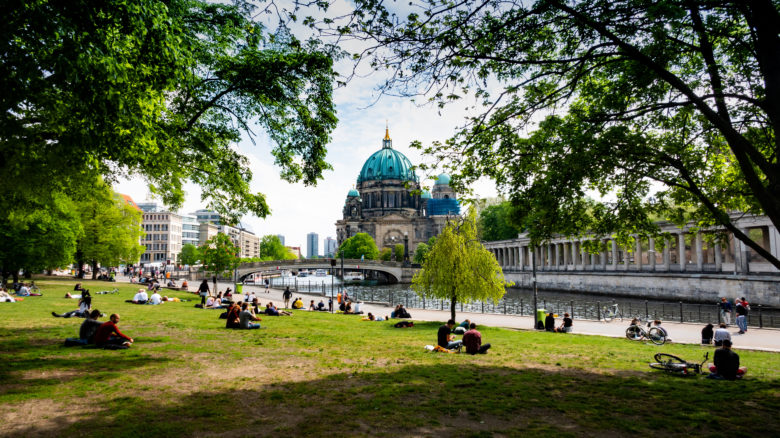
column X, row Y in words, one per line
column 437, row 400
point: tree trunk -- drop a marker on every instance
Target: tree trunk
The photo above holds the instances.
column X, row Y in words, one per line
column 27, row 274
column 94, row 269
column 452, row 306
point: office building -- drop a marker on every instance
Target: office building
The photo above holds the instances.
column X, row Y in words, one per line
column 312, row 245
column 330, row 246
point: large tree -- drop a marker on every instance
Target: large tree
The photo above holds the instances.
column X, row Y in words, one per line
column 361, row 245
column 668, row 108
column 189, row 254
column 271, row 248
column 41, row 236
column 219, row 255
column 496, row 222
column 157, row 89
column 459, row 268
column 111, row 229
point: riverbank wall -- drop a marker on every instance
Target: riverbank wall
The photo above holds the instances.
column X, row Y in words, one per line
column 690, row 287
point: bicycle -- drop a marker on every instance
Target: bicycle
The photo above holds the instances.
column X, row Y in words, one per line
column 611, row 312
column 675, row 365
column 653, row 334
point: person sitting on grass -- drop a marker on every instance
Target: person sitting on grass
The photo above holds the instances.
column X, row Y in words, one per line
column 312, row 306
column 657, row 324
column 298, row 303
column 155, row 299
column 85, row 303
column 726, row 366
column 722, row 334
column 140, row 298
column 108, row 334
column 445, row 338
column 549, row 322
column 233, row 319
column 184, row 285
column 706, row 334
column 321, row 306
column 90, row 327
column 245, row 318
column 472, row 340
column 566, row 326
column 272, row 310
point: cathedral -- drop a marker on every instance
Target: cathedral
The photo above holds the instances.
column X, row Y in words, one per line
column 389, row 204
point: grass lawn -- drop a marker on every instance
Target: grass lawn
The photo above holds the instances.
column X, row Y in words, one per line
column 319, row 374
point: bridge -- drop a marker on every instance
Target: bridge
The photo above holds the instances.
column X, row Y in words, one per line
column 395, row 272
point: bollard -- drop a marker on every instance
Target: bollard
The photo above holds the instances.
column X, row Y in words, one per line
column 441, row 303
column 571, row 306
column 720, row 317
column 483, row 307
column 681, row 312
column 598, row 310
column 647, row 311
column 700, row 320
column 423, row 303
column 760, row 319
column 504, row 307
column 521, row 307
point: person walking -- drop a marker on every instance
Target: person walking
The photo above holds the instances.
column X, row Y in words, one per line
column 725, row 310
column 203, row 291
column 287, row 295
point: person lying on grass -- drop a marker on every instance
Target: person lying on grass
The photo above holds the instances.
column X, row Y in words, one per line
column 108, row 334
column 272, row 310
column 85, row 303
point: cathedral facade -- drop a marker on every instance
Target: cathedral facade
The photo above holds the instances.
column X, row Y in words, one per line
column 389, row 204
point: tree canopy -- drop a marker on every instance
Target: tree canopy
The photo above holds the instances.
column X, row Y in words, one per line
column 357, row 246
column 459, row 268
column 157, row 89
column 658, row 107
column 189, row 254
column 111, row 229
column 271, row 248
column 219, row 255
column 495, row 222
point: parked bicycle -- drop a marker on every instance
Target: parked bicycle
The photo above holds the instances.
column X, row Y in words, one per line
column 675, row 365
column 611, row 312
column 636, row 332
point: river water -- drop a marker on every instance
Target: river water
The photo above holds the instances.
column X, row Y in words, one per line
column 520, row 302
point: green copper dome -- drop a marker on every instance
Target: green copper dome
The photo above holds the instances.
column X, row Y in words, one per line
column 387, row 163
column 353, row 193
column 443, row 180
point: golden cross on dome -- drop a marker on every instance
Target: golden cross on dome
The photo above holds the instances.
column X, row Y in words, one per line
column 387, row 130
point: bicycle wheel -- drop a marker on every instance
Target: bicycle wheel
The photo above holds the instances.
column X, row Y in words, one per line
column 668, row 359
column 656, row 336
column 608, row 315
column 634, row 333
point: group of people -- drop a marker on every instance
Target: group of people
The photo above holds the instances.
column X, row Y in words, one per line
column 471, row 340
column 400, row 312
column 566, row 325
column 92, row 331
column 741, row 308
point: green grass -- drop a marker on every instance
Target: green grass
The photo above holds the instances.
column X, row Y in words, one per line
column 319, row 374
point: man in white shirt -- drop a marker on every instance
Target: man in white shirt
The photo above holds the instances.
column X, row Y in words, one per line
column 721, row 334
column 155, row 299
column 140, row 298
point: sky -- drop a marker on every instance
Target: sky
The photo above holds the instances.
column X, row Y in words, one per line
column 297, row 210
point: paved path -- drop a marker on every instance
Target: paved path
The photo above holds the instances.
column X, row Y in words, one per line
column 754, row 339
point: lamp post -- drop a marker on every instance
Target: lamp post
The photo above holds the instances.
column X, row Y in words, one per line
column 533, row 282
column 406, row 249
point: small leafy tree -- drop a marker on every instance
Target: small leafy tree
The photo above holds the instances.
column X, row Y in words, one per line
column 357, row 246
column 386, row 254
column 398, row 250
column 495, row 222
column 420, row 253
column 219, row 255
column 459, row 268
column 271, row 248
column 189, row 254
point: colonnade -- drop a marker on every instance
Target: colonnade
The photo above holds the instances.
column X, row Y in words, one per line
column 685, row 250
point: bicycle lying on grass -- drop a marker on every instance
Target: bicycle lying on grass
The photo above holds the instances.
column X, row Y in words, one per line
column 652, row 334
column 674, row 365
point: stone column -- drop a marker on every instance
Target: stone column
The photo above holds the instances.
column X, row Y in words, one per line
column 681, row 251
column 651, row 253
column 667, row 255
column 699, row 253
column 718, row 258
column 521, row 251
column 614, row 254
column 638, row 255
column 744, row 262
column 604, row 254
column 573, row 255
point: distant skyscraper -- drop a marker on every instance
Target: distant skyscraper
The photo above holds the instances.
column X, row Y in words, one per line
column 330, row 246
column 281, row 238
column 312, row 244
